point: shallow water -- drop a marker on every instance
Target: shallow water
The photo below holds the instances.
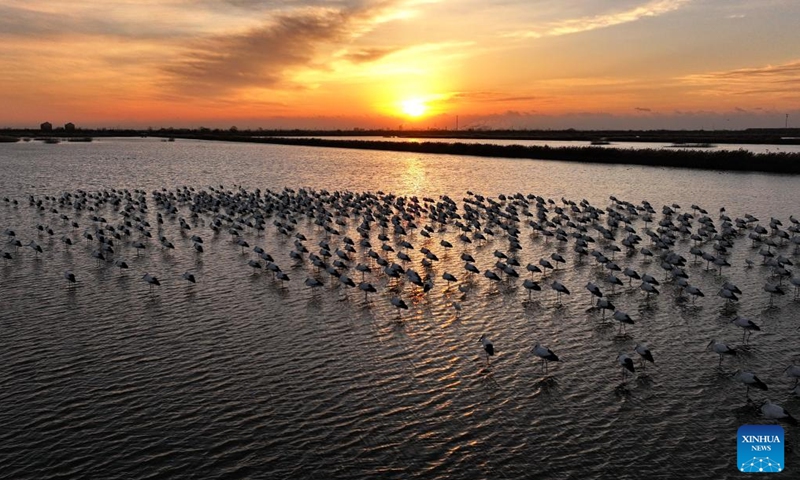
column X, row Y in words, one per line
column 240, row 376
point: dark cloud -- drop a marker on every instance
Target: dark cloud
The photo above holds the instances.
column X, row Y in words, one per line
column 642, row 109
column 26, row 23
column 264, row 56
column 276, row 4
column 366, row 55
column 515, row 99
column 19, row 22
column 493, row 97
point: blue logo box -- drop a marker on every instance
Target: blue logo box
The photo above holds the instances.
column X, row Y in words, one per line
column 760, row 449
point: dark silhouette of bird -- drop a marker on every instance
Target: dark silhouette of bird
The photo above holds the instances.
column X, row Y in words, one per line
column 545, row 354
column 488, row 347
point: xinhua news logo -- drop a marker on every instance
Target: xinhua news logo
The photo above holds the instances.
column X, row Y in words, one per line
column 760, row 449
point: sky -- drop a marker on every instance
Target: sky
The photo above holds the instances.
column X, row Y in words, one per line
column 401, row 64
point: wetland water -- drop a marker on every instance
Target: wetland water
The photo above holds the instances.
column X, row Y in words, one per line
column 243, row 377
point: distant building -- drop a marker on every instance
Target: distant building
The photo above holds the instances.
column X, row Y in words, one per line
column 70, row 127
column 46, row 127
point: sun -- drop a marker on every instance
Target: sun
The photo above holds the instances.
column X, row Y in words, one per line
column 413, row 107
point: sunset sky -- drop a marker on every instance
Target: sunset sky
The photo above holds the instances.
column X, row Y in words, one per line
column 386, row 63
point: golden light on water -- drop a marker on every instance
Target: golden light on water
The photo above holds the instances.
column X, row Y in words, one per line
column 414, row 176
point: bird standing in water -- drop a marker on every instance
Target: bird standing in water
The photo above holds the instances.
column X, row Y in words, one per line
column 545, row 354
column 626, row 363
column 644, row 352
column 488, row 346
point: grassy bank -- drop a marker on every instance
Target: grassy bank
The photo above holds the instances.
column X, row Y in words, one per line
column 738, row 160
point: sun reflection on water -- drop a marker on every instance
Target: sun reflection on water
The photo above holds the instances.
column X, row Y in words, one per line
column 414, row 176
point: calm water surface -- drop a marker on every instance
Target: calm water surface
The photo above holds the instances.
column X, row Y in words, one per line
column 237, row 376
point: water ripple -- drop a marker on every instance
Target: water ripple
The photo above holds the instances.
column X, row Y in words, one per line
column 241, row 377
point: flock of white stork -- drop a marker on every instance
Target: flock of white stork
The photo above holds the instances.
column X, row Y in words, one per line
column 381, row 228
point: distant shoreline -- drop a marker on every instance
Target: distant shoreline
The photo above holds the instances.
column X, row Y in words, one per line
column 752, row 136
column 725, row 160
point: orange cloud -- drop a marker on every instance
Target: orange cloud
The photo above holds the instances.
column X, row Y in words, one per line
column 585, row 24
column 770, row 79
